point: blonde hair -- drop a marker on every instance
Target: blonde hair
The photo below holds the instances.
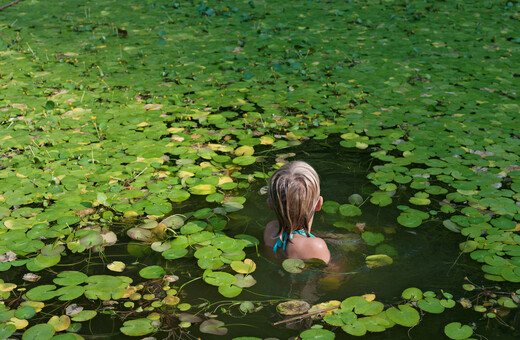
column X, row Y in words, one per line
column 294, row 191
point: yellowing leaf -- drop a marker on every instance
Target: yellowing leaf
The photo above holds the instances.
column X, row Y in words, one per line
column 244, row 150
column 175, row 130
column 18, row 323
column 266, row 140
column 7, row 287
column 37, row 305
column 152, row 107
column 60, row 323
column 361, row 146
column 224, row 179
column 116, row 266
column 369, row 297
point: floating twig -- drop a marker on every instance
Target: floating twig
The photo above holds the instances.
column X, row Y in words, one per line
column 305, row 315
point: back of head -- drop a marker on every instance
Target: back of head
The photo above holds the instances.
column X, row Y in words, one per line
column 294, row 191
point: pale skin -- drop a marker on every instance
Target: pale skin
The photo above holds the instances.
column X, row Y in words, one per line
column 300, row 247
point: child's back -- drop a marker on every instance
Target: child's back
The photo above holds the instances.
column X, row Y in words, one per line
column 294, row 195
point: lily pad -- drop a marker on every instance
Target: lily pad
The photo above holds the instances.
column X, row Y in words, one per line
column 380, row 260
column 137, row 327
column 349, row 210
column 218, row 278
column 39, row 332
column 293, row 307
column 293, row 265
column 229, row 291
column 412, row 293
column 456, row 331
column 312, row 334
column 213, row 326
column 152, row 272
column 431, row 305
column 404, row 316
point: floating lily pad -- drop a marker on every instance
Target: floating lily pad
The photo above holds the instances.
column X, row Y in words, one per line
column 380, row 260
column 355, row 328
column 412, row 293
column 430, row 305
column 152, row 272
column 349, row 210
column 243, row 267
column 213, row 326
column 229, row 291
column 293, row 307
column 42, row 293
column 456, row 331
column 84, row 315
column 321, row 334
column 293, row 265
column 404, row 316
column 39, row 332
column 218, row 278
column 137, row 327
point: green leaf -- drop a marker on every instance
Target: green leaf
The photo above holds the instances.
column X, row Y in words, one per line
column 380, row 198
column 229, row 291
column 456, row 331
column 404, row 316
column 152, row 272
column 349, row 210
column 70, row 278
column 84, row 315
column 412, row 293
column 355, row 328
column 409, row 220
column 42, row 293
column 315, row 334
column 371, row 238
column 213, row 326
column 25, row 312
column 244, row 160
column 218, row 278
column 330, row 207
column 430, row 305
column 137, row 327
column 39, row 332
column 293, row 265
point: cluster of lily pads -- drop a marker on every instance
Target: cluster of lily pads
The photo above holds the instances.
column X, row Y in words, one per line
column 116, row 112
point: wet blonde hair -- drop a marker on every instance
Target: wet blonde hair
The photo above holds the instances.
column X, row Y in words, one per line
column 294, row 191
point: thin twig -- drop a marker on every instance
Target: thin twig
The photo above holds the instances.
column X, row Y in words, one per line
column 305, row 315
column 9, row 4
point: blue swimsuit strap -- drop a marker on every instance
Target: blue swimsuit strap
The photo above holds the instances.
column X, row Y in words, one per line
column 282, row 243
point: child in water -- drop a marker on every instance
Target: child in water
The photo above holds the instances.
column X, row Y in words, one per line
column 294, row 196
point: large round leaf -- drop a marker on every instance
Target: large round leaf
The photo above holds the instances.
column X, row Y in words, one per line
column 152, row 272
column 404, row 316
column 138, row 327
column 317, row 334
column 39, row 332
column 456, row 331
column 349, row 210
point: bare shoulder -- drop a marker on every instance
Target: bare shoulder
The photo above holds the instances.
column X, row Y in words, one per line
column 271, row 233
column 309, row 247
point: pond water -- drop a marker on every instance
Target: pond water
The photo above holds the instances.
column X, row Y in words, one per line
column 426, row 257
